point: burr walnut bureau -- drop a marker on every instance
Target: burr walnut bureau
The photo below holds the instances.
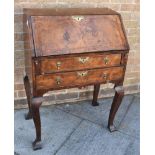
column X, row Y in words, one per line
column 67, row 48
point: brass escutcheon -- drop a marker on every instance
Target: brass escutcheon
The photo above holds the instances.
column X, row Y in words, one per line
column 77, row 18
column 105, row 76
column 58, row 80
column 106, row 60
column 83, row 60
column 58, row 64
column 82, row 74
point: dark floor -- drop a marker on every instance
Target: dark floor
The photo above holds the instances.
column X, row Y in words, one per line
column 81, row 129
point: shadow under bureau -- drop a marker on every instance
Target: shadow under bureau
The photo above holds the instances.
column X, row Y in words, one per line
column 67, row 48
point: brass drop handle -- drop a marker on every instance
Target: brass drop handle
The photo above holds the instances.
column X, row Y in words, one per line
column 58, row 80
column 82, row 74
column 83, row 59
column 106, row 60
column 78, row 18
column 58, row 64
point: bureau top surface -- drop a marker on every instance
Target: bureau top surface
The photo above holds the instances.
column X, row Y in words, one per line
column 68, row 11
column 68, row 31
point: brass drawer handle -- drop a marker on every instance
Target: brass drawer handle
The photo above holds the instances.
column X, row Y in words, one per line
column 78, row 18
column 82, row 74
column 58, row 64
column 58, row 80
column 83, row 60
column 106, row 60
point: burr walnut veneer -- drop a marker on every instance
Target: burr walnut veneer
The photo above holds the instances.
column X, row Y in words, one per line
column 67, row 48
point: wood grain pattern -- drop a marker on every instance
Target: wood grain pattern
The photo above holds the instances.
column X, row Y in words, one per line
column 78, row 62
column 75, row 79
column 92, row 33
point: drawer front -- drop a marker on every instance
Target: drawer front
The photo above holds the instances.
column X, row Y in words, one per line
column 78, row 78
column 88, row 61
column 56, row 35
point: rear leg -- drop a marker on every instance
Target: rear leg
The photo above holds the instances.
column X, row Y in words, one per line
column 29, row 97
column 95, row 94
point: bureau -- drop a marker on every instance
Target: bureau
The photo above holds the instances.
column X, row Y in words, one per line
column 66, row 48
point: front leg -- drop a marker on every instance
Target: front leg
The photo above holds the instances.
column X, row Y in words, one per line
column 119, row 94
column 36, row 102
column 95, row 94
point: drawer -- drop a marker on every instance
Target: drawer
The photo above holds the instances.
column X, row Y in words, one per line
column 78, row 78
column 85, row 61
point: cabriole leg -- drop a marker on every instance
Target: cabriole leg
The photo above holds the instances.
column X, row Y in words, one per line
column 36, row 102
column 29, row 97
column 95, row 95
column 119, row 94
